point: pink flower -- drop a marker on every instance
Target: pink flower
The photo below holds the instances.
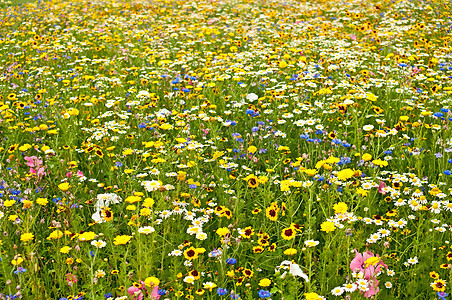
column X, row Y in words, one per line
column 35, row 164
column 155, row 295
column 373, row 288
column 71, row 279
column 381, row 187
column 33, row 161
column 40, row 172
column 369, row 269
column 135, row 293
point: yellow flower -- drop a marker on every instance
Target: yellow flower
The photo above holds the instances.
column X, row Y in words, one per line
column 132, row 199
column 252, row 149
column 290, row 251
column 26, row 237
column 144, row 212
column 122, row 239
column 126, row 152
column 288, row 233
column 131, row 207
column 282, row 64
column 380, row 163
column 340, row 208
column 310, row 172
column 230, row 273
column 17, row 261
column 312, row 296
column 327, row 226
column 345, row 174
column 24, row 147
column 166, row 126
column 265, row 282
column 69, row 260
column 87, row 236
column 192, row 252
column 42, row 201
column 148, row 202
column 55, row 235
column 65, row 249
column 13, row 217
column 222, row 231
column 366, row 157
column 151, row 281
column 361, row 192
column 9, row 203
column 27, row 204
column 64, row 186
column 372, row 261
column 181, row 175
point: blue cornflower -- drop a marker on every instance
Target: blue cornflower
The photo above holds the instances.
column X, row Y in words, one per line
column 161, row 292
column 442, row 295
column 447, row 172
column 264, row 294
column 438, row 114
column 231, row 261
column 222, row 291
column 20, row 270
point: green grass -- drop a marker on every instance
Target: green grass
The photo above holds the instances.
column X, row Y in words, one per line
column 16, row 2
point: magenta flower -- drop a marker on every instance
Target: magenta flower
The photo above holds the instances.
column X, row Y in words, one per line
column 36, row 166
column 71, row 279
column 137, row 293
column 363, row 263
column 381, row 187
column 373, row 288
column 155, row 295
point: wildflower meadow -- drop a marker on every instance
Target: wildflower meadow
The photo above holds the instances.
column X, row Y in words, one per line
column 225, row 149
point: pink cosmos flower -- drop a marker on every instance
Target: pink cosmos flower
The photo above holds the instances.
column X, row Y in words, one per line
column 370, row 270
column 381, row 187
column 33, row 161
column 373, row 288
column 71, row 279
column 36, row 166
column 137, row 293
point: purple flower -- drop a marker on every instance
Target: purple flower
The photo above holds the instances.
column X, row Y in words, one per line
column 264, row 294
column 231, row 261
column 222, row 291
